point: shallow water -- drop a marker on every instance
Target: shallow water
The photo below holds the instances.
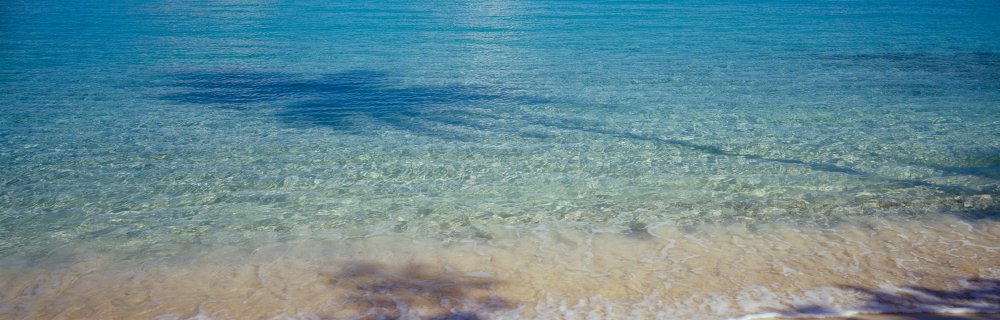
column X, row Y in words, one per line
column 839, row 152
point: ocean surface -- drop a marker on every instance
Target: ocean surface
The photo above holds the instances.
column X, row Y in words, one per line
column 498, row 159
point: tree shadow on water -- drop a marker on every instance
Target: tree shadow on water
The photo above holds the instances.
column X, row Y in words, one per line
column 414, row 291
column 351, row 101
column 978, row 296
column 368, row 102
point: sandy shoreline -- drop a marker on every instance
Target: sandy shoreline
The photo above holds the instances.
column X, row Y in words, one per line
column 716, row 273
column 915, row 316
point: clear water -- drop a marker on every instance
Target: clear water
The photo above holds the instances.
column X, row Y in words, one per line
column 151, row 128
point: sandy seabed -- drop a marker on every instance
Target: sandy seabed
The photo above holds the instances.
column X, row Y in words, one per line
column 712, row 272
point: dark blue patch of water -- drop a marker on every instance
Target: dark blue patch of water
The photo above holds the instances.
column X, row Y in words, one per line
column 340, row 100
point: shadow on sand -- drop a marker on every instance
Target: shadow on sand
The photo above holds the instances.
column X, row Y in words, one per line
column 414, row 291
column 978, row 296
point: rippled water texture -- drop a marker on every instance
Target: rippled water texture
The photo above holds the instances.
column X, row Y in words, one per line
column 498, row 159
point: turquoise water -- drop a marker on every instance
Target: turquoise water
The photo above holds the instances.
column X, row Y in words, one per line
column 154, row 126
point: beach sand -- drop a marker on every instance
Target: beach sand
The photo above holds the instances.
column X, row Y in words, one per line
column 916, row 316
column 666, row 272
